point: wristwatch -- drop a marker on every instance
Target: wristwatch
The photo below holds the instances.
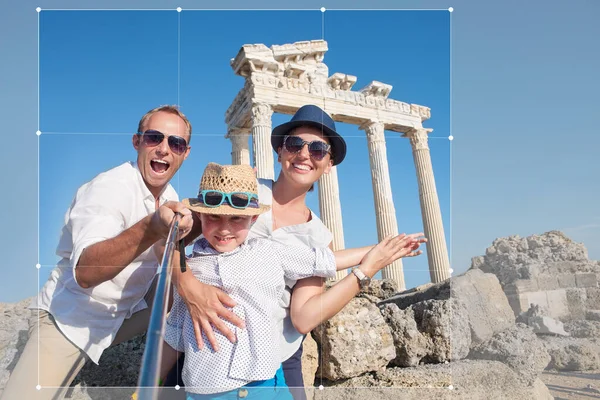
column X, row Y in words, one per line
column 363, row 280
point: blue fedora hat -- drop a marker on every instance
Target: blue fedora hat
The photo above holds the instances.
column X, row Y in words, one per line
column 311, row 115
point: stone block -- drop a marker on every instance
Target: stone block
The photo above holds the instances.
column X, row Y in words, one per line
column 546, row 326
column 576, row 301
column 566, row 280
column 537, row 298
column 519, row 348
column 585, row 280
column 518, row 303
column 446, row 324
column 592, row 301
column 592, row 315
column 547, row 282
column 521, row 286
column 355, row 341
column 557, row 304
column 480, row 292
column 411, row 345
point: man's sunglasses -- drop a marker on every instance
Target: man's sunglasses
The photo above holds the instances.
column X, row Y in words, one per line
column 214, row 198
column 317, row 148
column 177, row 144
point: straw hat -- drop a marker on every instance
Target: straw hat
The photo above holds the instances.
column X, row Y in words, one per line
column 226, row 178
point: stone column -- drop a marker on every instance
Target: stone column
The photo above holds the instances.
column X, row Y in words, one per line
column 261, row 140
column 331, row 211
column 240, row 152
column 382, row 192
column 437, row 253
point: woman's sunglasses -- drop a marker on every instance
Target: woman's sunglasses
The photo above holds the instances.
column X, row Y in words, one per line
column 177, row 144
column 317, row 148
column 214, row 198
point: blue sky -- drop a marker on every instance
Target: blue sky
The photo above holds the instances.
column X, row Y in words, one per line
column 98, row 75
column 524, row 111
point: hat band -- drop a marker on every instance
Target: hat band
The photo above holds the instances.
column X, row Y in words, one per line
column 239, row 200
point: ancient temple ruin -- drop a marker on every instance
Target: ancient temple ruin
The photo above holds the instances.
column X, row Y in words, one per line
column 282, row 79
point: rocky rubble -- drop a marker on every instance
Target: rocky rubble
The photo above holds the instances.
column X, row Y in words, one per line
column 455, row 339
column 517, row 347
column 465, row 379
column 572, row 354
column 14, row 331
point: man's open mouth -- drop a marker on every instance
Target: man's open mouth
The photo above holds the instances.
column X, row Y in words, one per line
column 159, row 166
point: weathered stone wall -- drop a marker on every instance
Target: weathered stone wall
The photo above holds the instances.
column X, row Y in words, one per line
column 548, row 270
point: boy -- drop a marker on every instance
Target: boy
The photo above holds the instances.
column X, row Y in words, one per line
column 252, row 272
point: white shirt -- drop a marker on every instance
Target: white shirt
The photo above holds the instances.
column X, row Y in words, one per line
column 312, row 234
column 103, row 208
column 252, row 275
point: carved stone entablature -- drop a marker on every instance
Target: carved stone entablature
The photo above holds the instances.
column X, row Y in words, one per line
column 418, row 138
column 288, row 76
column 377, row 89
column 301, row 60
column 240, row 106
column 253, row 57
column 421, row 111
column 305, row 52
column 339, row 81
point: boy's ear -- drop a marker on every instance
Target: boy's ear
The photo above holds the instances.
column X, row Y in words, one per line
column 254, row 218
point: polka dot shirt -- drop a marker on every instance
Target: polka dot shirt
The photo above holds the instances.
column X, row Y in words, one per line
column 254, row 276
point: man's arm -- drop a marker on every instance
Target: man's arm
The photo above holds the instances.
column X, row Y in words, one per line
column 104, row 260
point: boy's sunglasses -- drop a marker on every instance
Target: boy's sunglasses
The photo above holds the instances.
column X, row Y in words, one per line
column 214, row 198
column 317, row 149
column 177, row 144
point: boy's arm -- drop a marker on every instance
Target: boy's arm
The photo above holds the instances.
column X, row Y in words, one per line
column 299, row 261
column 308, row 308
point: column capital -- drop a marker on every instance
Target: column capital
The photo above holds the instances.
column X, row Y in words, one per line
column 374, row 129
column 418, row 137
column 261, row 114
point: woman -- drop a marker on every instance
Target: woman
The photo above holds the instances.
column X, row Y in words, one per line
column 308, row 147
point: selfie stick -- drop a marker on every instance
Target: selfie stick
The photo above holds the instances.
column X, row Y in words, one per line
column 149, row 374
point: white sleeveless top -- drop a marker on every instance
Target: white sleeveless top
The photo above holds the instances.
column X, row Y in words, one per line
column 313, row 234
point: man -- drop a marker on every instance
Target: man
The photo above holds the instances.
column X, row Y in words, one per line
column 100, row 292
